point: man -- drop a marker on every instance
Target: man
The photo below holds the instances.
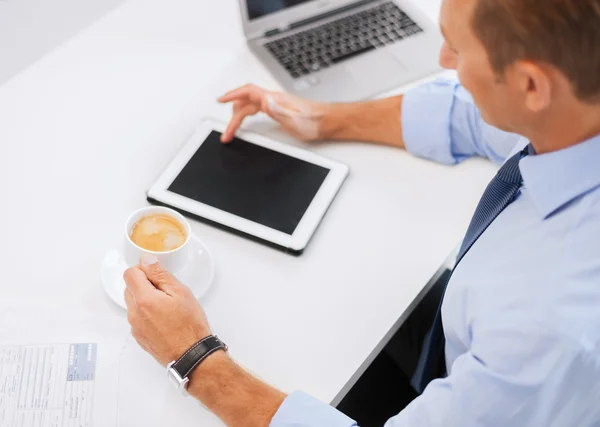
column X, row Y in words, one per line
column 521, row 314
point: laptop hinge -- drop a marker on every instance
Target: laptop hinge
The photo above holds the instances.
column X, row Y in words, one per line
column 290, row 26
column 281, row 29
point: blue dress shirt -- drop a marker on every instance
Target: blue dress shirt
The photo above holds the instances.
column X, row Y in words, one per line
column 521, row 313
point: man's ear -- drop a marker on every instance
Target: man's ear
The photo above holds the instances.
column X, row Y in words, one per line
column 535, row 84
column 448, row 58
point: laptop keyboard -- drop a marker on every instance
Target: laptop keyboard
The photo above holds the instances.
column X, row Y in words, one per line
column 328, row 44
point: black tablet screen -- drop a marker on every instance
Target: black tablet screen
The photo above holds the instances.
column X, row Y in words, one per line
column 250, row 181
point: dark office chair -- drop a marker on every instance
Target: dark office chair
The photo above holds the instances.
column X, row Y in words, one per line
column 381, row 388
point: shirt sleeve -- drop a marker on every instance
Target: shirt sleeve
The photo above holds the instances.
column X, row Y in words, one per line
column 301, row 410
column 441, row 122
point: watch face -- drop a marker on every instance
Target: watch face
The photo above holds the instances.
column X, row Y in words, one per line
column 184, row 386
column 175, row 377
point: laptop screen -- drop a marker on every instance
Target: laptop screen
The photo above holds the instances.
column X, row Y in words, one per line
column 259, row 8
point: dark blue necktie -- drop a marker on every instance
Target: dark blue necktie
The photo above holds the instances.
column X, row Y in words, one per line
column 498, row 195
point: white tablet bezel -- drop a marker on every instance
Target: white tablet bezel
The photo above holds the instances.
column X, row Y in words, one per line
column 309, row 222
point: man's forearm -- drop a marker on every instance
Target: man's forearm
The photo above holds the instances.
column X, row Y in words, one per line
column 231, row 393
column 376, row 121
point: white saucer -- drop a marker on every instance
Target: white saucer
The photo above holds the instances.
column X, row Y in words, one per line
column 198, row 275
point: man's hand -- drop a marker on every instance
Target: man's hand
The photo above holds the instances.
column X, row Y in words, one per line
column 376, row 121
column 300, row 118
column 165, row 317
column 166, row 320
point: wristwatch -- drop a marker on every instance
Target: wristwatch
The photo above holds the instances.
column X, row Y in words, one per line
column 178, row 371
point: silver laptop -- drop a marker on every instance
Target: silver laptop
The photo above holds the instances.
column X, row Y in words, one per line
column 341, row 50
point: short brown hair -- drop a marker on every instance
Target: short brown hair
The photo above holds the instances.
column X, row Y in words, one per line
column 562, row 33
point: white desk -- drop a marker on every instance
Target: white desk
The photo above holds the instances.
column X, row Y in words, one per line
column 84, row 132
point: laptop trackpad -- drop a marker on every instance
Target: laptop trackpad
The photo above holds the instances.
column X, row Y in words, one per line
column 380, row 67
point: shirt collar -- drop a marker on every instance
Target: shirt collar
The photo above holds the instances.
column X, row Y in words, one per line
column 556, row 178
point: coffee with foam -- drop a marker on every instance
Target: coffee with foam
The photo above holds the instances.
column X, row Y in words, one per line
column 158, row 233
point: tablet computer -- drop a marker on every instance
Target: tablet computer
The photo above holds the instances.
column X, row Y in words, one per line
column 255, row 186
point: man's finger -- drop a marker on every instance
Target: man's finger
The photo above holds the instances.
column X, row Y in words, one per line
column 229, row 133
column 137, row 282
column 244, row 92
column 236, row 121
column 240, row 92
column 160, row 278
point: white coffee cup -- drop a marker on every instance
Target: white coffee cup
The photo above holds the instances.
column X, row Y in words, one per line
column 174, row 260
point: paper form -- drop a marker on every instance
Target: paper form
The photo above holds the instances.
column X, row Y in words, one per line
column 47, row 385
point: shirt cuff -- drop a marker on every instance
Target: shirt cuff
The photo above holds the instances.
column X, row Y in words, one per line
column 300, row 409
column 426, row 113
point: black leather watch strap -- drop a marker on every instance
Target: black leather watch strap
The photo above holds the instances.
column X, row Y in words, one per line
column 195, row 355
